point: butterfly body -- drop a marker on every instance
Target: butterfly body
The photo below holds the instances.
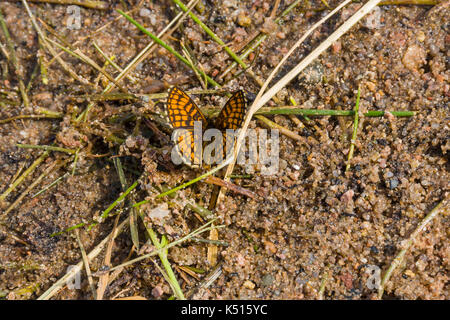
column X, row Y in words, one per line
column 184, row 114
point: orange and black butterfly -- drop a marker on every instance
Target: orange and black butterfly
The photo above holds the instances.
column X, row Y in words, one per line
column 183, row 113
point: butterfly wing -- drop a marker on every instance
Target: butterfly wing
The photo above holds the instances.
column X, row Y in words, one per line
column 183, row 113
column 182, row 110
column 232, row 114
column 231, row 117
column 185, row 147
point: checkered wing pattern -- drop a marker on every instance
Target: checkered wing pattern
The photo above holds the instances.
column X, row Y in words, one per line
column 232, row 114
column 183, row 112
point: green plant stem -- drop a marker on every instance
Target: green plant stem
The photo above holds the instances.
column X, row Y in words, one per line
column 355, row 131
column 51, row 185
column 105, row 213
column 168, row 48
column 212, row 112
column 91, row 4
column 80, row 55
column 211, row 34
column 258, row 39
column 47, row 148
column 184, row 185
column 46, row 45
column 203, row 212
column 409, row 2
column 24, row 175
column 162, row 246
column 14, row 61
column 194, row 233
column 29, row 116
column 325, row 112
column 111, row 62
column 133, row 212
column 119, row 200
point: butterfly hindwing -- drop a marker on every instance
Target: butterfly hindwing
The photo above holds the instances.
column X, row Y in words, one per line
column 185, row 147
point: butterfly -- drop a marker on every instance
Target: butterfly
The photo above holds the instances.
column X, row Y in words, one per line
column 183, row 113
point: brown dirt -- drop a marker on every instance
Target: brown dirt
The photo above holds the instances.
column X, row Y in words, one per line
column 310, row 219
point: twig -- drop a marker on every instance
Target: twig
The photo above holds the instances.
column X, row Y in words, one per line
column 230, row 186
column 86, row 263
column 24, row 175
column 91, row 4
column 282, row 129
column 168, row 48
column 194, row 233
column 258, row 40
column 47, row 148
column 259, row 102
column 77, row 268
column 50, row 48
column 14, row 61
column 211, row 34
column 54, row 166
column 399, row 258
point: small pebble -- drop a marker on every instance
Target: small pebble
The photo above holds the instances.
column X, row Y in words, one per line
column 157, row 292
column 267, row 280
column 336, row 47
column 281, row 35
column 393, row 183
column 409, row 273
column 159, row 212
column 144, row 12
column 249, row 285
column 421, row 36
column 414, row 58
column 243, row 20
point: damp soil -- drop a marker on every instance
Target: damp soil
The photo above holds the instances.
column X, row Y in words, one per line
column 309, row 221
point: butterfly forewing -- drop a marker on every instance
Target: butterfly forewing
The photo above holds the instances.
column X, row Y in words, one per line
column 232, row 114
column 231, row 117
column 182, row 110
